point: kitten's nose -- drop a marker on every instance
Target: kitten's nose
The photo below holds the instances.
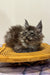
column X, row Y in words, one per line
column 29, row 38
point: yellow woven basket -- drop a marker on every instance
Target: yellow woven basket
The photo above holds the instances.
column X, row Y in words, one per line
column 7, row 55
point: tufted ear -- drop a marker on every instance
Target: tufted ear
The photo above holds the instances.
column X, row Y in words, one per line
column 26, row 23
column 39, row 26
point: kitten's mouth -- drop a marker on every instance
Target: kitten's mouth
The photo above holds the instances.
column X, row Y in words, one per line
column 29, row 39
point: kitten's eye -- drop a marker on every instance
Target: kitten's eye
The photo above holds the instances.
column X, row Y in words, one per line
column 24, row 33
column 32, row 34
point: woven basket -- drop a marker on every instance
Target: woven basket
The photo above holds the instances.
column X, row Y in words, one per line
column 7, row 55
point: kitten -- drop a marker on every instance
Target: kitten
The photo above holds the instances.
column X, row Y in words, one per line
column 24, row 38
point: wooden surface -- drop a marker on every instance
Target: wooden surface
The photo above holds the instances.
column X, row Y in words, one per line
column 7, row 55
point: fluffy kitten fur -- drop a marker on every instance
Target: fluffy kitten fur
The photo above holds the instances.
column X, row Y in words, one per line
column 24, row 38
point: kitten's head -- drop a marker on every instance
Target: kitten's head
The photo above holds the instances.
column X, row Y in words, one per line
column 32, row 34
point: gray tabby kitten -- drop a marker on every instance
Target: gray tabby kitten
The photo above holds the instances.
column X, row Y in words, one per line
column 24, row 38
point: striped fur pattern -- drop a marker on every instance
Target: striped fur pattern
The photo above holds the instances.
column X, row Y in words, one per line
column 25, row 38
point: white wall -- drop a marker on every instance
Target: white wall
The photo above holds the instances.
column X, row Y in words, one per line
column 15, row 11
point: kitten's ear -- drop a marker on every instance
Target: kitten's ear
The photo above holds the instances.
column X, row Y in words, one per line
column 26, row 23
column 39, row 26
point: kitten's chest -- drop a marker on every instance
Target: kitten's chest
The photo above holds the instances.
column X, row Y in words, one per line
column 23, row 43
column 27, row 45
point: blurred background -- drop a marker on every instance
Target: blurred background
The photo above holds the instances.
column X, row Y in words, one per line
column 13, row 12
